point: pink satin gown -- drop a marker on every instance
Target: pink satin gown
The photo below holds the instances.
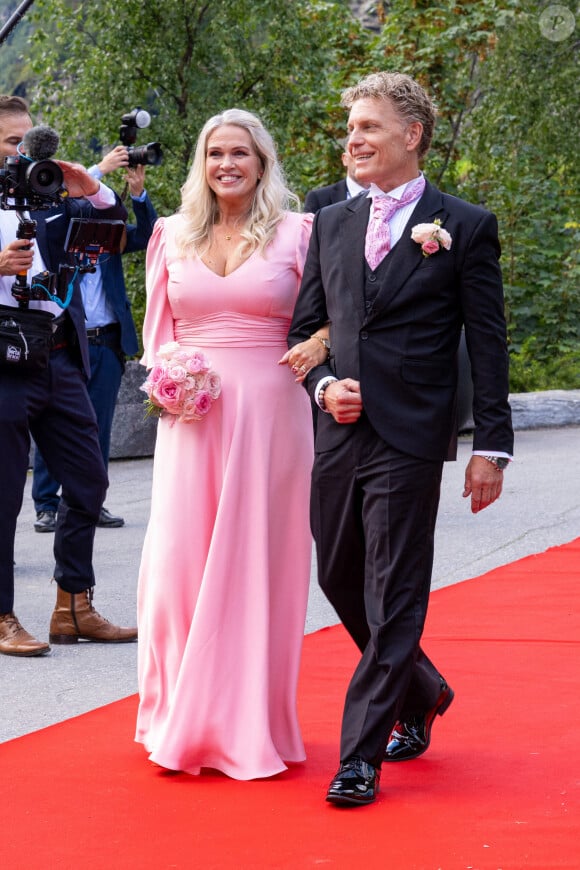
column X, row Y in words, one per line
column 224, row 576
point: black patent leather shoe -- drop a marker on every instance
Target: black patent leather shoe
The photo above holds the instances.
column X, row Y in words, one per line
column 356, row 783
column 108, row 521
column 411, row 737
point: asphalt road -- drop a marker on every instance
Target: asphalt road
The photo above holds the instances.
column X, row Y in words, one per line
column 539, row 508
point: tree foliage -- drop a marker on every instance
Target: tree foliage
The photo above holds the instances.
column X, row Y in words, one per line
column 14, row 66
column 521, row 158
column 507, row 138
column 507, row 98
column 185, row 60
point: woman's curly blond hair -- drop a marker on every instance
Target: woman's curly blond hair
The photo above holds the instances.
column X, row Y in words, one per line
column 199, row 206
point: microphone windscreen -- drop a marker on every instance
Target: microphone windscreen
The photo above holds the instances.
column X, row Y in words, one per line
column 40, row 143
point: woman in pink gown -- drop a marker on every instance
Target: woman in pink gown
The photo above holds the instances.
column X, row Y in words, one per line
column 225, row 569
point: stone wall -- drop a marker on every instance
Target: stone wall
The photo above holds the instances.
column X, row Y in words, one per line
column 133, row 435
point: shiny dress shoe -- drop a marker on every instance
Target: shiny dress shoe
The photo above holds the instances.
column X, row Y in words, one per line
column 411, row 737
column 108, row 521
column 16, row 641
column 74, row 618
column 45, row 521
column 356, row 783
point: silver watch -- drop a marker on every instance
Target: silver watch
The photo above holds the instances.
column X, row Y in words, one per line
column 500, row 462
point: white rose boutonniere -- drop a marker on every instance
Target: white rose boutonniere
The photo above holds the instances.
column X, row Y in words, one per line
column 431, row 237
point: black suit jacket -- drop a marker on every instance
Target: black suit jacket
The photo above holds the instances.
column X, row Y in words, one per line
column 51, row 229
column 404, row 350
column 323, row 196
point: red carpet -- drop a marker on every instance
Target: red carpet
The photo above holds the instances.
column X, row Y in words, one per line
column 497, row 790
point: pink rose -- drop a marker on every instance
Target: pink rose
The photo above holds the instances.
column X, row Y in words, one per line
column 153, row 378
column 430, row 247
column 188, row 411
column 177, row 373
column 198, row 362
column 203, row 402
column 214, row 385
column 168, row 395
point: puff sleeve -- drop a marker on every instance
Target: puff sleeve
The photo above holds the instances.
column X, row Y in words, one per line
column 158, row 324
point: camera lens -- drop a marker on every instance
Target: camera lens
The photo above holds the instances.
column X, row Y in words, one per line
column 146, row 155
column 45, row 177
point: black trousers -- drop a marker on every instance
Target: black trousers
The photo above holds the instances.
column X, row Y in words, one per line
column 373, row 513
column 53, row 405
column 107, row 366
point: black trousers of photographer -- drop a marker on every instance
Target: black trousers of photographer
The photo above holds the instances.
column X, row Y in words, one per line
column 107, row 367
column 54, row 407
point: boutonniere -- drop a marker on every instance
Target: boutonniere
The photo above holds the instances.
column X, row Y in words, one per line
column 431, row 237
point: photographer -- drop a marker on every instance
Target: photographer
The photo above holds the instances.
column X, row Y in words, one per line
column 52, row 404
column 110, row 331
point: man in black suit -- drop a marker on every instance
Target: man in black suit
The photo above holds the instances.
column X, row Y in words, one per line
column 396, row 295
column 53, row 405
column 345, row 189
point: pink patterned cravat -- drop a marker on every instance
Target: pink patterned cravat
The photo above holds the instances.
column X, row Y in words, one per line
column 378, row 238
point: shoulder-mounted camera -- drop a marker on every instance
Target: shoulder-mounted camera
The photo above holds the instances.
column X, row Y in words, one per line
column 29, row 180
column 30, row 184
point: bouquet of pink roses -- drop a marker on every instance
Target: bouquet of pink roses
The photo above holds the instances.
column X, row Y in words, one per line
column 182, row 384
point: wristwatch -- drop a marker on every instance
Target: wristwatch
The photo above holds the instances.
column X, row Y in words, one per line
column 322, row 340
column 500, row 462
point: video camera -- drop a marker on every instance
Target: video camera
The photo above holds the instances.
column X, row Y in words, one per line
column 30, row 181
column 146, row 155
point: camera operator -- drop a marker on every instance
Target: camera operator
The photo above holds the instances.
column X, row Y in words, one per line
column 111, row 335
column 53, row 405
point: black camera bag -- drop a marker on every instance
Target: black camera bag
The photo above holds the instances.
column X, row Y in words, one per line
column 25, row 338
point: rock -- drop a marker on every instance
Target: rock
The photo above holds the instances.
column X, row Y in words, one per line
column 133, row 435
column 545, row 409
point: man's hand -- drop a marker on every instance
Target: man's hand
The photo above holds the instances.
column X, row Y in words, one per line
column 483, row 482
column 16, row 257
column 135, row 178
column 77, row 180
column 116, row 158
column 343, row 400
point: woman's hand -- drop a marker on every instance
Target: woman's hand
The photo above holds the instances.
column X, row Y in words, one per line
column 306, row 355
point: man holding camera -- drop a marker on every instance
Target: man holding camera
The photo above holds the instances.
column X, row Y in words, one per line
column 110, row 331
column 53, row 405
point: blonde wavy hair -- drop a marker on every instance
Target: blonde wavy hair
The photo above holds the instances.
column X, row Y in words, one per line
column 199, row 205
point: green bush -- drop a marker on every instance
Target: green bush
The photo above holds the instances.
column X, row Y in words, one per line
column 528, row 373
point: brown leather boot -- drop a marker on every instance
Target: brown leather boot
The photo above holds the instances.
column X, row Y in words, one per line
column 75, row 617
column 16, row 641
